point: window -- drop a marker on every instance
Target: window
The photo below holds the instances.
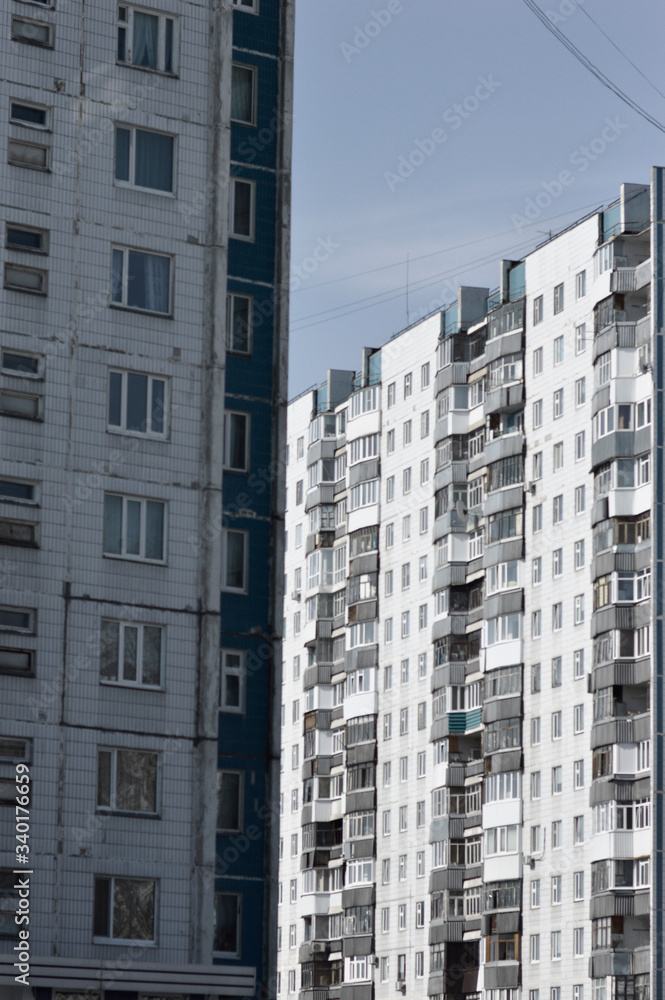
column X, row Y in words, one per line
column 535, row 731
column 403, row 720
column 580, row 284
column 557, row 456
column 146, row 40
column 536, row 626
column 406, row 624
column 537, row 311
column 131, row 654
column 538, row 361
column 239, row 321
column 137, row 403
column 556, row 725
column 578, row 663
column 424, row 423
column 19, row 278
column 32, row 32
column 578, row 886
column 578, row 830
column 406, row 433
column 391, row 394
column 406, row 480
column 555, row 938
column 124, row 909
column 385, row 871
column 557, row 780
column 242, row 210
column 248, row 6
column 557, row 616
column 424, row 375
column 535, row 785
column 144, row 159
column 535, row 893
column 580, row 338
column 402, row 819
column 390, row 489
column 558, row 299
column 402, row 867
column 557, row 562
column 578, row 774
column 557, row 509
column 387, row 726
column 537, row 570
column 580, row 392
column 579, row 609
column 557, row 404
column 141, row 281
column 534, row 948
column 243, row 94
column 127, row 781
column 390, row 442
column 408, row 385
column 558, row 350
column 235, row 546
column 578, row 941
column 578, row 719
column 537, row 414
column 580, row 499
column 556, row 671
column 227, row 923
column 27, row 239
column 134, row 528
column 537, row 517
column 28, row 154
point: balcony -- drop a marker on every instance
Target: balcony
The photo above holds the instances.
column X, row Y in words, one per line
column 631, row 279
column 619, row 333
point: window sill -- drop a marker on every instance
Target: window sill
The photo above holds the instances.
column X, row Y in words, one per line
column 29, row 166
column 125, row 186
column 141, row 312
column 125, row 942
column 134, row 686
column 37, row 45
column 135, row 559
column 243, row 239
column 142, row 435
column 148, row 69
column 126, row 813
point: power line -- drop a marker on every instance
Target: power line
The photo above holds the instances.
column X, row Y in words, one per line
column 436, row 253
column 600, row 76
column 627, row 58
column 390, row 296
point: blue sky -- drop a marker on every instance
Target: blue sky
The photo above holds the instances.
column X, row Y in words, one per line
column 442, row 130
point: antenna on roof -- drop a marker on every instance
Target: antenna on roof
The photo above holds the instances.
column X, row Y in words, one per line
column 407, row 289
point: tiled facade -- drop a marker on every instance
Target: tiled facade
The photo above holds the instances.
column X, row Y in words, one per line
column 471, row 775
column 125, row 140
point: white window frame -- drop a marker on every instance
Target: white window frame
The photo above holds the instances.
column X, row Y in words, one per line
column 128, row 25
column 112, row 806
column 230, row 300
column 238, row 669
column 140, row 557
column 122, row 302
column 251, row 121
column 245, row 584
column 126, row 941
column 140, row 627
column 228, row 423
column 121, row 428
column 246, row 238
column 131, row 182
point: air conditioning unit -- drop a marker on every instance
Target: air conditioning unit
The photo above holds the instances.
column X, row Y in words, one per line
column 295, row 595
column 400, row 987
column 318, row 947
column 530, row 861
column 532, row 487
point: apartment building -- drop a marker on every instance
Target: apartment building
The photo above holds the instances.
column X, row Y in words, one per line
column 145, row 176
column 470, row 785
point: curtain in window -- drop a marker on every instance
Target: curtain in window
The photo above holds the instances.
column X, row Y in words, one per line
column 133, row 528
column 154, row 530
column 241, row 94
column 226, row 922
column 242, row 208
column 146, row 40
column 152, row 654
column 153, row 165
column 134, row 909
column 136, row 781
column 129, row 653
column 110, row 639
column 148, row 285
column 137, row 402
column 112, row 524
